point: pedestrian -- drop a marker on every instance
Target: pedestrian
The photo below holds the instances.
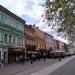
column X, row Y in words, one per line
column 59, row 58
column 39, row 56
column 23, row 60
column 44, row 56
column 2, row 63
column 17, row 60
column 31, row 59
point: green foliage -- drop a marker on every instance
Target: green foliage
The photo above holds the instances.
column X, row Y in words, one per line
column 61, row 11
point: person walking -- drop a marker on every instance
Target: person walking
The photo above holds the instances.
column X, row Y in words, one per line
column 44, row 56
column 23, row 59
column 59, row 58
column 2, row 63
column 31, row 59
column 39, row 55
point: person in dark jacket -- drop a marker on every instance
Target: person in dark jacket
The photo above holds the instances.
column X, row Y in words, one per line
column 59, row 58
column 2, row 63
column 44, row 56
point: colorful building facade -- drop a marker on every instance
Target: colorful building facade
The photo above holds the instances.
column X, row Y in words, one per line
column 15, row 35
column 49, row 41
column 30, row 35
column 12, row 41
column 60, row 45
column 40, row 43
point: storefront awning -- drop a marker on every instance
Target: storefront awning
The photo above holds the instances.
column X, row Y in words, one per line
column 59, row 51
column 32, row 52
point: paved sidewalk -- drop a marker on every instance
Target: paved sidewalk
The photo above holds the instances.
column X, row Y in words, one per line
column 27, row 68
column 53, row 67
column 37, row 68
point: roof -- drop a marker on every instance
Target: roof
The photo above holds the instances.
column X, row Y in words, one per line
column 11, row 14
column 48, row 34
column 29, row 27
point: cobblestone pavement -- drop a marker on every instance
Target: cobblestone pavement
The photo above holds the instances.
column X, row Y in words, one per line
column 53, row 69
column 37, row 68
column 27, row 68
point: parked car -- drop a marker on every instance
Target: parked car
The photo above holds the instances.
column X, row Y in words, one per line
column 70, row 53
column 57, row 53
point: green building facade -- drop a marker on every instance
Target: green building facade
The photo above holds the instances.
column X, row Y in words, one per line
column 12, row 40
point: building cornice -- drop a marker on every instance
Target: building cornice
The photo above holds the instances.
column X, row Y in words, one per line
column 11, row 14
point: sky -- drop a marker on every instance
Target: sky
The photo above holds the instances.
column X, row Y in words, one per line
column 31, row 11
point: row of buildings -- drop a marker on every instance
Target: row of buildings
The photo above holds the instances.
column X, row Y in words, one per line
column 16, row 35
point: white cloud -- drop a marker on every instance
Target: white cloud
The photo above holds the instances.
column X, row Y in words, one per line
column 24, row 7
column 31, row 8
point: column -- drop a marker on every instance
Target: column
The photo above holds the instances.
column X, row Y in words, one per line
column 12, row 38
column 7, row 38
column 16, row 40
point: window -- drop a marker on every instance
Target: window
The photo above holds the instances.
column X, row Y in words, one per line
column 10, row 38
column 0, row 17
column 5, row 38
column 13, row 24
column 0, row 37
column 9, row 21
column 0, row 55
column 18, row 41
column 22, row 41
column 20, row 26
column 14, row 39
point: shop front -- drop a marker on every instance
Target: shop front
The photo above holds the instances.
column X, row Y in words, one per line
column 3, row 55
column 14, row 54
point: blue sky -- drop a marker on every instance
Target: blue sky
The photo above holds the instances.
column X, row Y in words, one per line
column 31, row 11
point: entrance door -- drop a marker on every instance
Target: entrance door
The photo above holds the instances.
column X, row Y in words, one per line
column 11, row 58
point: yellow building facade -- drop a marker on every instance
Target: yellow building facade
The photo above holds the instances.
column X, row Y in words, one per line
column 40, row 43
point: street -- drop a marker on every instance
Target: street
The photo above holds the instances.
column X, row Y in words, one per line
column 27, row 68
column 67, row 69
column 49, row 67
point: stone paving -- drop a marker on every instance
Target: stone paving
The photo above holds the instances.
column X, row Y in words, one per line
column 48, row 70
column 27, row 68
column 66, row 69
column 37, row 68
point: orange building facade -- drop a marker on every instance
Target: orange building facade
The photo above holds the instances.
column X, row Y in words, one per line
column 30, row 35
column 40, row 43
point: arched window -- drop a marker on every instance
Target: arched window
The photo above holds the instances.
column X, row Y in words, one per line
column 10, row 38
column 5, row 38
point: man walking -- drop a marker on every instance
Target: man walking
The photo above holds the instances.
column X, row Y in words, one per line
column 2, row 63
column 44, row 56
column 59, row 58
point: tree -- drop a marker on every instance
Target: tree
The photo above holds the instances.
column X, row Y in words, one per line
column 62, row 12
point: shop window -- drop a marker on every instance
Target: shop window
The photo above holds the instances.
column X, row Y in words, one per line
column 5, row 53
